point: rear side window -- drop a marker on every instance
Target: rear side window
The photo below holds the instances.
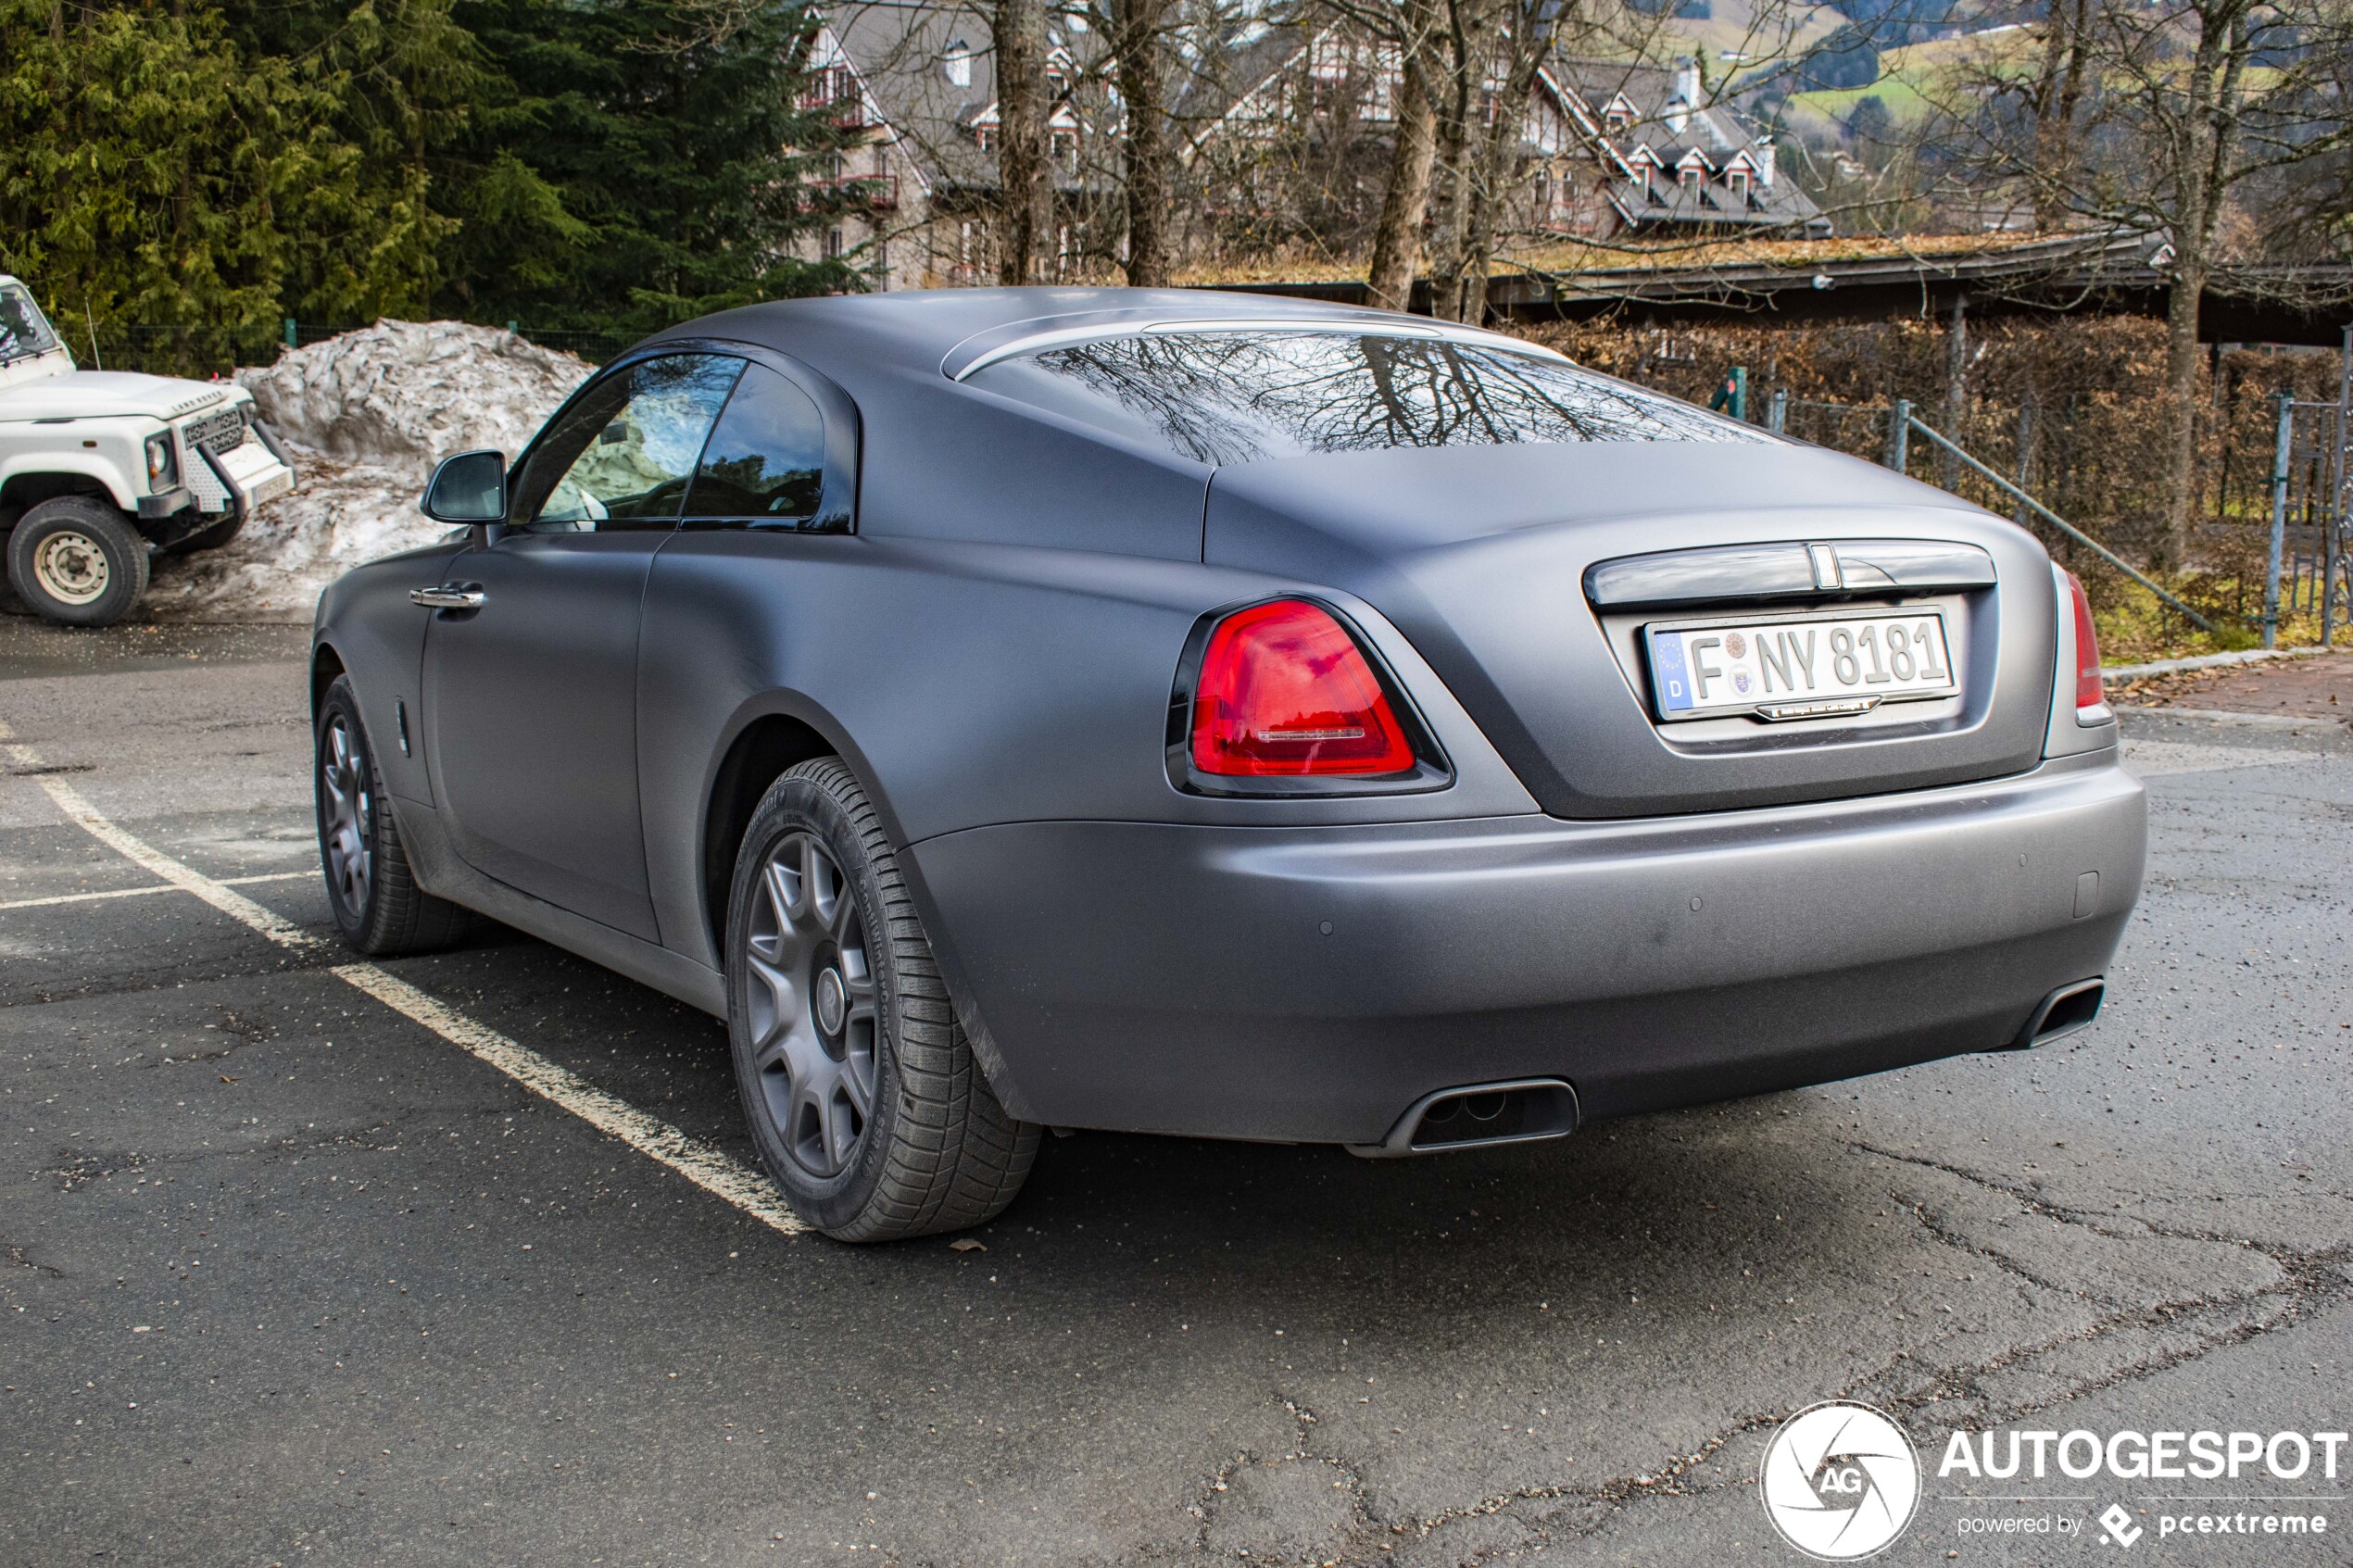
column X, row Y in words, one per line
column 622, row 455
column 766, row 459
column 1223, row 398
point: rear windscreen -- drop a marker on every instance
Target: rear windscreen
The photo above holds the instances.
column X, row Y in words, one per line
column 1246, row 396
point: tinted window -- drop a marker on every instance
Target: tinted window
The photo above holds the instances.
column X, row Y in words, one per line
column 23, row 330
column 766, row 459
column 621, row 457
column 1241, row 397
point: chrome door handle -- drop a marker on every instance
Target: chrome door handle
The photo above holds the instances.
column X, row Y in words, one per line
column 448, row 596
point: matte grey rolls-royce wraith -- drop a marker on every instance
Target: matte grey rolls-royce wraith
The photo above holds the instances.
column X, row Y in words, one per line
column 1212, row 715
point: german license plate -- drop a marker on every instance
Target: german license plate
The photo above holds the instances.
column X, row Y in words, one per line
column 1785, row 670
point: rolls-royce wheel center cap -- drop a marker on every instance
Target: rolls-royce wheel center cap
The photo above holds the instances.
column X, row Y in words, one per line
column 833, row 1001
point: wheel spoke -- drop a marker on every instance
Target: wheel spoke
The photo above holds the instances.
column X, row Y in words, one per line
column 782, row 885
column 857, row 1080
column 773, row 1022
column 821, row 885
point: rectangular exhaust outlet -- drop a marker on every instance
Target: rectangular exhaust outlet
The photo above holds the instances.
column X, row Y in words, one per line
column 2063, row 1012
column 1479, row 1116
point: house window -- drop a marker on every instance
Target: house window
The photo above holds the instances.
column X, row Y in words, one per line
column 1738, row 180
column 1692, row 180
column 958, row 63
column 833, row 243
column 1617, row 120
column 1066, row 146
column 984, row 136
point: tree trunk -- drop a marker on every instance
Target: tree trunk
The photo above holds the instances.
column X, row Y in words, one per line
column 1397, row 241
column 1499, row 167
column 1025, row 163
column 1467, row 50
column 2056, row 99
column 1143, row 82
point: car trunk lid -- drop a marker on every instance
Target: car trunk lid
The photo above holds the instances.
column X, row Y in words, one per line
column 1529, row 574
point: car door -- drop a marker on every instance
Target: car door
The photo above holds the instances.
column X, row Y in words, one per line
column 530, row 692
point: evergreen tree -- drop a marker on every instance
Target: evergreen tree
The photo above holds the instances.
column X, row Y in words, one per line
column 592, row 163
column 637, row 164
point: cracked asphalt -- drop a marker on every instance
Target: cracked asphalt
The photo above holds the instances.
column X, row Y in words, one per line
column 286, row 1278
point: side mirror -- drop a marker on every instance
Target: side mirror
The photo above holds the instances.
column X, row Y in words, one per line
column 468, row 488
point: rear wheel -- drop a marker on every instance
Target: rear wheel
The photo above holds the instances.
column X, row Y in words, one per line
column 76, row 561
column 374, row 897
column 862, row 1092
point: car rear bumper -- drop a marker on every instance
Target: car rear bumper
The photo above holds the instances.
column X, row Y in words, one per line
column 1310, row 984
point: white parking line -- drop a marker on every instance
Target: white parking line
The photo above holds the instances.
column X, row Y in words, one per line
column 57, row 898
column 714, row 1170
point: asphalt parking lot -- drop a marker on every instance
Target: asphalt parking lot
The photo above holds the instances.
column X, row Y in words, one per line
column 286, row 1276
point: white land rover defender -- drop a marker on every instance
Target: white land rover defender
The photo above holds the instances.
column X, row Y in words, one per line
column 99, row 466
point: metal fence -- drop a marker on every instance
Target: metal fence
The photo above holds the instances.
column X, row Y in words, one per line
column 2276, row 531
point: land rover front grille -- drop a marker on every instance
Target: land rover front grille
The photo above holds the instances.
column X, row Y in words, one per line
column 224, row 431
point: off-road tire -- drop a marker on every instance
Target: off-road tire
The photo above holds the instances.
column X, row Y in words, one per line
column 937, row 1152
column 211, row 538
column 101, row 545
column 390, row 914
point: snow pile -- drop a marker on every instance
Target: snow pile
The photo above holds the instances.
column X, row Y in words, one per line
column 368, row 415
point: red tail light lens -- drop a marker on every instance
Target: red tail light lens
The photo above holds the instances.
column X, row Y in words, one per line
column 1285, row 692
column 2089, row 692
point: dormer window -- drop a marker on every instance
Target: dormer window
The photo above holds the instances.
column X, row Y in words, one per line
column 1691, row 180
column 1619, row 114
column 958, row 63
column 985, row 137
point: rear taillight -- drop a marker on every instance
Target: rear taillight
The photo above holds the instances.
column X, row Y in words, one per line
column 1285, row 692
column 2089, row 692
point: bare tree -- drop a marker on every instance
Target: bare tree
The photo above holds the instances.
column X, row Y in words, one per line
column 1139, row 35
column 1397, row 239
column 1026, row 245
column 2172, row 120
column 1461, row 62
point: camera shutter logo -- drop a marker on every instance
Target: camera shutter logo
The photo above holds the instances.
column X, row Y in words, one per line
column 1840, row 1481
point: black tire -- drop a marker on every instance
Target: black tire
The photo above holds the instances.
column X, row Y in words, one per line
column 211, row 538
column 932, row 1150
column 76, row 561
column 378, row 907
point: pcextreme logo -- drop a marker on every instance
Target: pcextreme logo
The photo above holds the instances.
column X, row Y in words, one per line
column 1840, row 1481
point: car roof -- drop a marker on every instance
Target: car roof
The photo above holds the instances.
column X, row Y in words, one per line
column 954, row 332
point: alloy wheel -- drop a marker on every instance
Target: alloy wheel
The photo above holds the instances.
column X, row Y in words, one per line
column 70, row 567
column 350, row 855
column 810, row 1002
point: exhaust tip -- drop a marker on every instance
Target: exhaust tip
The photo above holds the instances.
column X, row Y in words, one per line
column 1479, row 1116
column 2063, row 1012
